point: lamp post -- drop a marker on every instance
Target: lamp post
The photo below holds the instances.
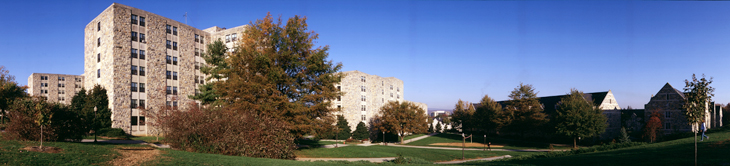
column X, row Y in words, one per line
column 484, row 143
column 386, row 144
column 463, row 144
column 94, row 126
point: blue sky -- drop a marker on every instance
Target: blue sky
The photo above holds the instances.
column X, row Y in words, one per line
column 442, row 50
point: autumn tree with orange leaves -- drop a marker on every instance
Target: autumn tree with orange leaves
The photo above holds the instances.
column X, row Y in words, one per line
column 653, row 126
column 277, row 72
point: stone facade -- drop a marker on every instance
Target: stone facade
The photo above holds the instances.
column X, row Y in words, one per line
column 127, row 50
column 365, row 94
column 668, row 102
column 59, row 88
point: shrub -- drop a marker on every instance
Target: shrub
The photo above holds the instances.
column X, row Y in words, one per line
column 112, row 132
column 64, row 123
column 361, row 132
column 229, row 133
column 409, row 160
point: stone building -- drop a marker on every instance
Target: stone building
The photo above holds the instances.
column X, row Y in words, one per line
column 668, row 102
column 365, row 94
column 59, row 88
column 146, row 62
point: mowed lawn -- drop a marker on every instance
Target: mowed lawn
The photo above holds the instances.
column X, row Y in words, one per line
column 433, row 155
column 715, row 151
column 72, row 154
column 507, row 143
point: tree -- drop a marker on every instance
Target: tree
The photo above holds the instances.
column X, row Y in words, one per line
column 463, row 116
column 698, row 93
column 430, row 127
column 401, row 118
column 343, row 129
column 361, row 132
column 524, row 111
column 276, row 72
column 624, row 136
column 726, row 114
column 489, row 115
column 97, row 109
column 9, row 91
column 577, row 117
column 42, row 118
column 651, row 129
column 215, row 58
column 439, row 127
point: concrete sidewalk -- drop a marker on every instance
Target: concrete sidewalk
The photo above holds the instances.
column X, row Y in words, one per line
column 472, row 149
column 374, row 160
column 418, row 138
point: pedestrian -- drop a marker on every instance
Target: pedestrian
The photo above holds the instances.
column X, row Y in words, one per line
column 703, row 129
column 489, row 146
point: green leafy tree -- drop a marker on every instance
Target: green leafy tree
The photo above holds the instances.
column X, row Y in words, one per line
column 524, row 111
column 215, row 58
column 489, row 115
column 698, row 94
column 9, row 91
column 361, row 131
column 401, row 118
column 343, row 128
column 42, row 118
column 97, row 109
column 577, row 117
column 463, row 116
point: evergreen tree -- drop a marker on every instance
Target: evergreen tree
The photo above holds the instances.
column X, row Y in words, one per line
column 343, row 128
column 361, row 132
column 489, row 115
column 430, row 127
column 102, row 116
column 524, row 111
column 215, row 58
column 576, row 117
column 439, row 127
column 463, row 117
column 624, row 136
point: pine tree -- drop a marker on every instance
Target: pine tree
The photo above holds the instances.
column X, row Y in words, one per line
column 524, row 111
column 361, row 132
column 430, row 127
column 439, row 127
column 343, row 128
column 624, row 136
column 489, row 115
column 463, row 116
column 215, row 58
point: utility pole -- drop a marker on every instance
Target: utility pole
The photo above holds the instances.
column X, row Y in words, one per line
column 186, row 17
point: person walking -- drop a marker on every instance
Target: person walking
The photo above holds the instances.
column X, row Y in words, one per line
column 703, row 129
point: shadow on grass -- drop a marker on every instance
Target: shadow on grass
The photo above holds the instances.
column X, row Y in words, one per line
column 507, row 143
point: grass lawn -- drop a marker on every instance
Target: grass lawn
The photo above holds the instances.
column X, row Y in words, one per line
column 507, row 143
column 149, row 139
column 72, row 154
column 391, row 151
column 176, row 157
column 412, row 136
column 677, row 152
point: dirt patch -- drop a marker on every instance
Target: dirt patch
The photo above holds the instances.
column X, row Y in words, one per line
column 467, row 144
column 720, row 144
column 134, row 155
column 46, row 149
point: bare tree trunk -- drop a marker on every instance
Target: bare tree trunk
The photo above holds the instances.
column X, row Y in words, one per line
column 574, row 143
column 696, row 145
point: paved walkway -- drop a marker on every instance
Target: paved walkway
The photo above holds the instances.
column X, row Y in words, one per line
column 481, row 159
column 450, row 148
column 418, row 138
column 374, row 160
column 126, row 142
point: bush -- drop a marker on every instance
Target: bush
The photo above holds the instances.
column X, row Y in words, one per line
column 64, row 123
column 229, row 133
column 409, row 160
column 361, row 132
column 112, row 132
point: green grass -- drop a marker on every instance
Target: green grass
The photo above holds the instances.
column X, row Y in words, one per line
column 72, row 154
column 677, row 152
column 507, row 143
column 412, row 136
column 391, row 151
column 149, row 139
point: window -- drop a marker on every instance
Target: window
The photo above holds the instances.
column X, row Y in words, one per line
column 141, row 87
column 98, row 42
column 134, row 19
column 197, row 53
column 62, row 99
column 78, row 79
column 202, row 80
column 339, row 98
column 44, row 77
column 391, row 94
column 134, row 36
column 167, row 28
column 98, row 57
column 174, row 60
column 363, row 117
column 234, row 37
column 398, row 96
column 141, row 21
column 98, row 73
column 339, row 88
column 61, row 78
column 197, row 38
column 174, row 90
column 362, row 78
column 141, row 118
column 391, row 88
column 168, row 45
column 398, row 89
column 61, row 92
column 169, row 90
column 168, row 59
column 169, row 74
column 168, row 104
column 363, row 108
column 174, row 31
column 174, row 75
column 667, row 114
column 133, row 120
column 134, row 103
column 362, row 88
column 98, row 26
column 362, row 97
column 134, row 53
column 78, row 86
column 141, row 71
column 134, row 70
column 339, row 107
column 382, row 100
column 667, row 126
column 228, row 38
column 134, row 87
column 174, row 45
column 174, row 105
column 196, row 79
column 45, row 91
column 62, row 85
column 201, row 39
column 382, row 83
column 44, row 85
column 141, row 104
column 142, row 54
column 141, row 37
column 382, row 91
